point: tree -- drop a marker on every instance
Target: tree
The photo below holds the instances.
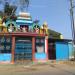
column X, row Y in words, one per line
column 24, row 4
column 1, row 14
column 9, row 10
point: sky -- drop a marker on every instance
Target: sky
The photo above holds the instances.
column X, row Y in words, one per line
column 55, row 12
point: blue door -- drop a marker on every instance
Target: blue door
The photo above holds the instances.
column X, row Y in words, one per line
column 62, row 51
column 23, row 49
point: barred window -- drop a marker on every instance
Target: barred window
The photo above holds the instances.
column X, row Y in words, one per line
column 5, row 44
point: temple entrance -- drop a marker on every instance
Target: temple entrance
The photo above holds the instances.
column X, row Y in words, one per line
column 23, row 49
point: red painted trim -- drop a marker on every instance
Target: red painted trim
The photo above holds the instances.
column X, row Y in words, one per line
column 22, row 34
column 13, row 48
column 33, row 48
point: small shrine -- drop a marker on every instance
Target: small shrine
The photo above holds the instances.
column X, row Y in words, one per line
column 22, row 39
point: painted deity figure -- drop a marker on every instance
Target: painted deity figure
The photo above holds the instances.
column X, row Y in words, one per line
column 36, row 26
column 11, row 28
column 45, row 27
column 0, row 25
column 24, row 28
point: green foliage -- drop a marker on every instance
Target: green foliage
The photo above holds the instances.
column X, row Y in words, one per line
column 1, row 14
column 10, row 9
column 23, row 4
column 7, row 9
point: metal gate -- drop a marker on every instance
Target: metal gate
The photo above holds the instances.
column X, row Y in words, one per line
column 23, row 49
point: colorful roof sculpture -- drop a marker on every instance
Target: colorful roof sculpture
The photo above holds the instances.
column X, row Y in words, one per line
column 1, row 22
column 24, row 19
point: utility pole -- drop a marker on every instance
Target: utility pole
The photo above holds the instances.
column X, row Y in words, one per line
column 72, row 25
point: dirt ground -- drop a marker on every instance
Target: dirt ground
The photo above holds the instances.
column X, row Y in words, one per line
column 37, row 69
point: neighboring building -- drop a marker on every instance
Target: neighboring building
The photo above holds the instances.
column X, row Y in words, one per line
column 59, row 48
column 53, row 34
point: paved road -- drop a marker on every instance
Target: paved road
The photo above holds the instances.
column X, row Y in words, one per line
column 43, row 69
